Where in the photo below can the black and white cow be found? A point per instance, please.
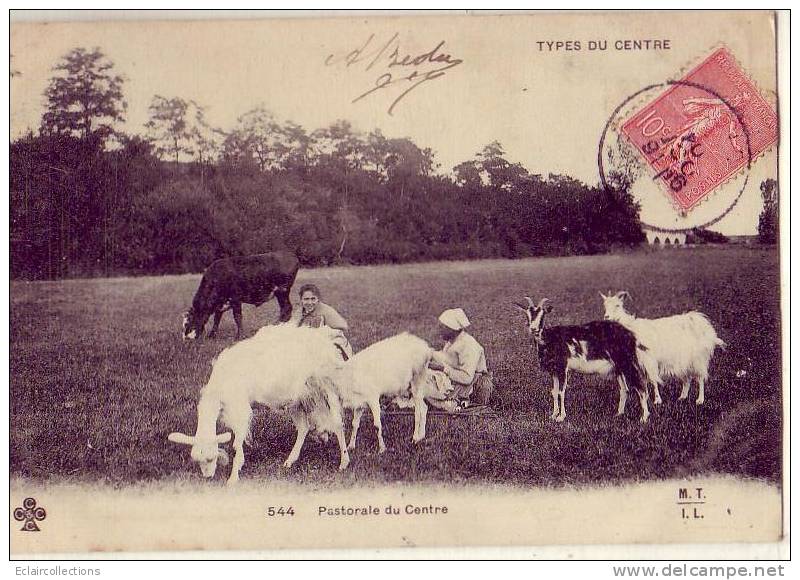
(229, 282)
(601, 347)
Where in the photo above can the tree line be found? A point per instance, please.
(88, 199)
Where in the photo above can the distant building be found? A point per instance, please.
(655, 238)
(746, 240)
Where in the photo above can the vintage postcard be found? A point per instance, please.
(383, 281)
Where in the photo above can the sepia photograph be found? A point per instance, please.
(357, 281)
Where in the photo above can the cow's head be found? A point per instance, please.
(535, 314)
(206, 453)
(193, 324)
(614, 305)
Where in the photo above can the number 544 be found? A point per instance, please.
(280, 511)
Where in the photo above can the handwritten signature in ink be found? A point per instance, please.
(397, 68)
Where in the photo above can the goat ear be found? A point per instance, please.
(624, 294)
(548, 308)
(181, 438)
(222, 457)
(224, 437)
(520, 306)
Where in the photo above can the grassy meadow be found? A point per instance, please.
(100, 375)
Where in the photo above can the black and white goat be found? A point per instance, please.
(682, 345)
(601, 347)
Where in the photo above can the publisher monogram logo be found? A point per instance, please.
(30, 514)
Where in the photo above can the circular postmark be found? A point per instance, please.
(681, 150)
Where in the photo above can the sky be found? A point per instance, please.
(529, 82)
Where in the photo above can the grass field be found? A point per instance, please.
(100, 375)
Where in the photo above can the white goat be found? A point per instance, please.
(682, 344)
(397, 367)
(276, 368)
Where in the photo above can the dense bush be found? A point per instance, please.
(702, 236)
(88, 200)
(78, 210)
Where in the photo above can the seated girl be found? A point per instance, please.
(315, 314)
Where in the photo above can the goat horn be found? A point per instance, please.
(542, 302)
(181, 438)
(530, 300)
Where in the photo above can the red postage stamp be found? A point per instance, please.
(703, 129)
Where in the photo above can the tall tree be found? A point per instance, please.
(339, 144)
(298, 143)
(501, 173)
(84, 98)
(375, 152)
(259, 138)
(491, 167)
(768, 220)
(168, 127)
(177, 126)
(260, 135)
(468, 175)
(404, 159)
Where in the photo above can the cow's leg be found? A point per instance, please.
(237, 316)
(285, 304)
(200, 326)
(217, 317)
